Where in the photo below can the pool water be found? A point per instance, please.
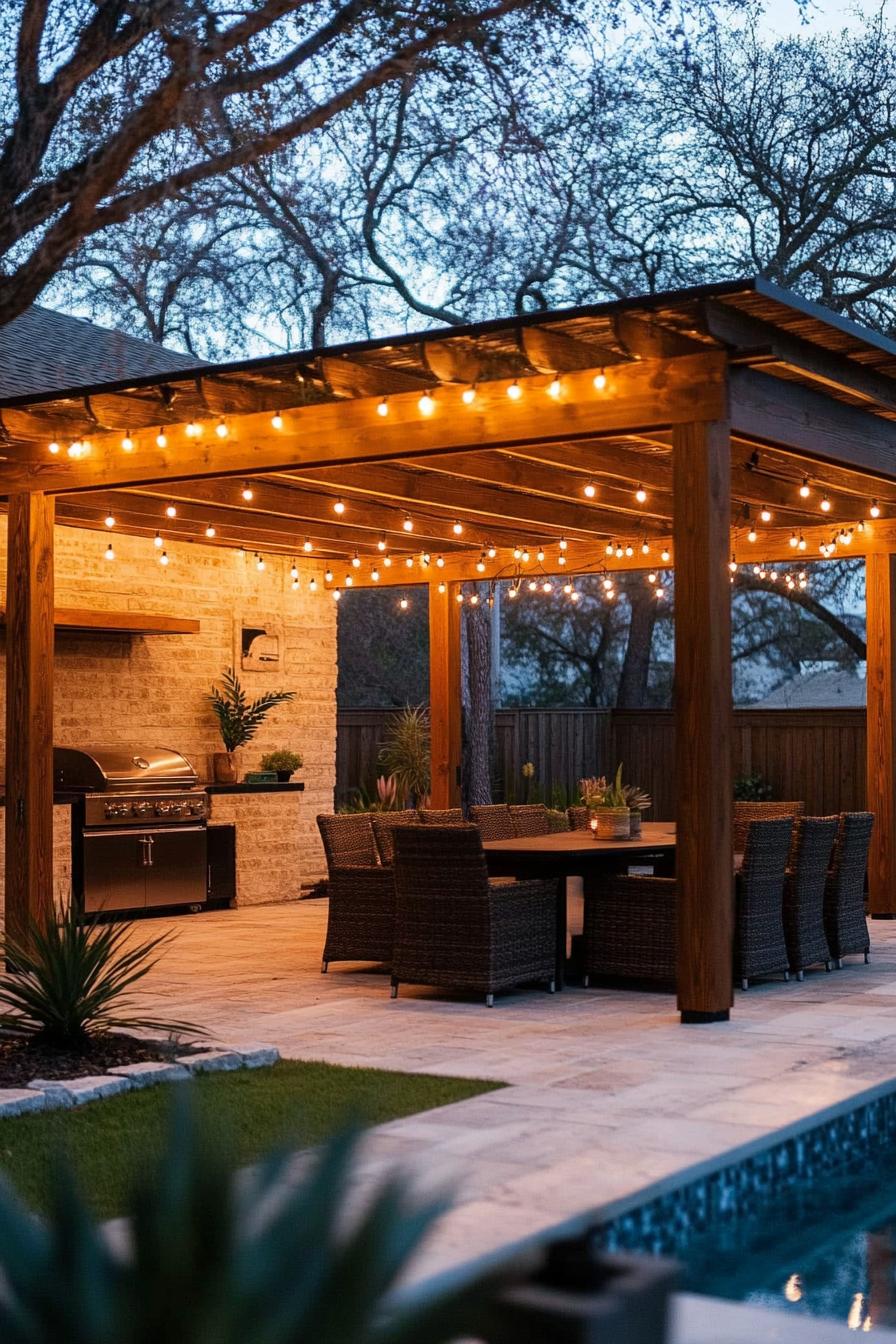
(825, 1252)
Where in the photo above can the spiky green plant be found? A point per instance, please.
(73, 980)
(264, 1260)
(405, 751)
(239, 718)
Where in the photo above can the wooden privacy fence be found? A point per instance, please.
(817, 755)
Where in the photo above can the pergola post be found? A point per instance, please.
(701, 454)
(880, 606)
(29, 710)
(444, 694)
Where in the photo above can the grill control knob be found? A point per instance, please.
(141, 809)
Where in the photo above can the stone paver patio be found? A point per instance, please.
(607, 1092)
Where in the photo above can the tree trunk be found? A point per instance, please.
(478, 712)
(632, 692)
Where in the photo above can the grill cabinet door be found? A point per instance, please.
(114, 871)
(178, 869)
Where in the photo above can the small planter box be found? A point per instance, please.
(582, 1296)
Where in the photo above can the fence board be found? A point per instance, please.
(817, 755)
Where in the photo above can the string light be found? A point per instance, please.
(491, 551)
(765, 514)
(339, 507)
(336, 594)
(375, 574)
(294, 573)
(732, 564)
(403, 603)
(547, 586)
(751, 535)
(110, 554)
(259, 563)
(512, 591)
(76, 449)
(801, 544)
(825, 504)
(221, 429)
(356, 561)
(474, 599)
(193, 430)
(660, 593)
(574, 595)
(276, 420)
(665, 556)
(562, 543)
(480, 564)
(170, 510)
(875, 509)
(514, 391)
(620, 550)
(645, 547)
(459, 596)
(641, 495)
(561, 559)
(794, 540)
(387, 560)
(328, 576)
(600, 380)
(161, 439)
(553, 391)
(408, 523)
(312, 586)
(307, 545)
(157, 541)
(589, 490)
(532, 586)
(805, 489)
(163, 558)
(525, 556)
(539, 554)
(409, 562)
(247, 492)
(54, 447)
(348, 580)
(517, 553)
(441, 587)
(210, 530)
(382, 407)
(109, 520)
(440, 562)
(426, 405)
(457, 528)
(468, 396)
(651, 577)
(127, 444)
(629, 550)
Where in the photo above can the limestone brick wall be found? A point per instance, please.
(116, 689)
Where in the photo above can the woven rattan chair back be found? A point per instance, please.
(804, 932)
(844, 899)
(494, 821)
(579, 818)
(744, 813)
(759, 945)
(384, 826)
(530, 819)
(348, 839)
(441, 816)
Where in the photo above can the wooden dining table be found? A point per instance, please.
(578, 854)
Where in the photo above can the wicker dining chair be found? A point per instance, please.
(529, 819)
(844, 896)
(744, 813)
(441, 816)
(759, 945)
(579, 818)
(384, 825)
(494, 821)
(361, 913)
(454, 927)
(629, 930)
(804, 934)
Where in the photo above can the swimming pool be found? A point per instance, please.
(805, 1223)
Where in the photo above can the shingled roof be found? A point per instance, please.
(44, 351)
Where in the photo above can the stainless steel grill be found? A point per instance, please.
(139, 837)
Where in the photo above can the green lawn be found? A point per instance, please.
(245, 1113)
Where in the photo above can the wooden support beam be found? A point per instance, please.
(880, 606)
(637, 396)
(444, 695)
(554, 352)
(701, 463)
(29, 712)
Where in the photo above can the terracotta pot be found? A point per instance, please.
(224, 767)
(613, 823)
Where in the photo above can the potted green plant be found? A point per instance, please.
(608, 804)
(283, 763)
(405, 753)
(638, 802)
(239, 719)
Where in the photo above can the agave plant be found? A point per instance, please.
(405, 752)
(239, 718)
(636, 799)
(258, 1261)
(73, 980)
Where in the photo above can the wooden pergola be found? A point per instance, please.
(732, 423)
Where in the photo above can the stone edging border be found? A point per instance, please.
(48, 1094)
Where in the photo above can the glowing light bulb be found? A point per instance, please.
(382, 407)
(554, 388)
(805, 489)
(109, 520)
(293, 573)
(794, 540)
(336, 594)
(312, 586)
(491, 551)
(161, 439)
(170, 510)
(651, 577)
(600, 380)
(387, 561)
(512, 591)
(533, 586)
(660, 592)
(441, 587)
(328, 576)
(825, 504)
(426, 405)
(480, 564)
(259, 563)
(375, 575)
(641, 495)
(589, 490)
(875, 509)
(801, 544)
(547, 586)
(110, 554)
(645, 547)
(403, 603)
(561, 559)
(276, 420)
(732, 565)
(620, 552)
(468, 396)
(221, 429)
(562, 543)
(339, 507)
(514, 391)
(247, 492)
(210, 530)
(457, 528)
(539, 554)
(474, 599)
(459, 597)
(157, 541)
(348, 580)
(54, 447)
(629, 550)
(192, 430)
(525, 556)
(665, 556)
(307, 545)
(408, 523)
(765, 514)
(751, 535)
(356, 561)
(163, 558)
(574, 595)
(517, 553)
(127, 444)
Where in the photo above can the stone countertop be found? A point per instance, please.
(213, 788)
(59, 799)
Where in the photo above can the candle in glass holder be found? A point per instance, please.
(593, 824)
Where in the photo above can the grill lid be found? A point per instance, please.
(120, 769)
